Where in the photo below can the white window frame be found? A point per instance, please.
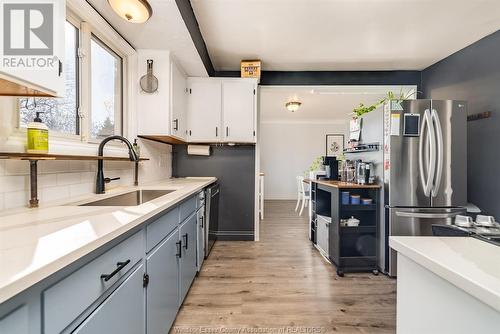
(21, 131)
(89, 23)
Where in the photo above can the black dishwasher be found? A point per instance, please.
(212, 207)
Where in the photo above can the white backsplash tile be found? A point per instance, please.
(13, 183)
(53, 166)
(16, 199)
(64, 179)
(88, 177)
(81, 189)
(47, 180)
(17, 167)
(80, 166)
(51, 194)
(2, 167)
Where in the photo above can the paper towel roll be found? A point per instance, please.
(198, 150)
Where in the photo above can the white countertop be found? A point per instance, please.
(35, 243)
(470, 264)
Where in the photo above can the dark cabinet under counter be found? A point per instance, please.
(350, 248)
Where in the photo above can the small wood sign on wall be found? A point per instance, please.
(251, 69)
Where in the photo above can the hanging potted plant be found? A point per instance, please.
(362, 109)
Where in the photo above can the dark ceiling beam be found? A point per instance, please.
(189, 18)
(320, 78)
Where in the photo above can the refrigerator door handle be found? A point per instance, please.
(432, 155)
(440, 156)
(423, 215)
(430, 170)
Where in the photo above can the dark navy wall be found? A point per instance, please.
(473, 74)
(234, 167)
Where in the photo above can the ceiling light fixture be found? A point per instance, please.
(134, 11)
(293, 106)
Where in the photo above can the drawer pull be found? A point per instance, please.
(120, 265)
(186, 240)
(179, 249)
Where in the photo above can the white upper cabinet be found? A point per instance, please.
(221, 110)
(178, 87)
(47, 51)
(238, 110)
(204, 110)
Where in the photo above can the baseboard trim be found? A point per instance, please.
(236, 236)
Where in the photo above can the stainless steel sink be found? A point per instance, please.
(132, 198)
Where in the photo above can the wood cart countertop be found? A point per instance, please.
(345, 185)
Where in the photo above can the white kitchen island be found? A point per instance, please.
(447, 285)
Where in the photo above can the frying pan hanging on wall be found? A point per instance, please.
(148, 82)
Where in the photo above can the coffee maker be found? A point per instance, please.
(331, 167)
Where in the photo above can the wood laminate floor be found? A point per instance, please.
(282, 285)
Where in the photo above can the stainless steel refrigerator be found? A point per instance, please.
(425, 166)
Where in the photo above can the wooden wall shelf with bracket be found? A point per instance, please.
(33, 158)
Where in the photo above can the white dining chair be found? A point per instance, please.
(303, 195)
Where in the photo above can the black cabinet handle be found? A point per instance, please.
(179, 249)
(216, 131)
(227, 131)
(202, 221)
(60, 67)
(121, 265)
(185, 236)
(176, 126)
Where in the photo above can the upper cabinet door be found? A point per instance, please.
(46, 76)
(178, 86)
(204, 110)
(238, 108)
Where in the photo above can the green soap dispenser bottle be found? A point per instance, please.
(38, 136)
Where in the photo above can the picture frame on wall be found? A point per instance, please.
(334, 145)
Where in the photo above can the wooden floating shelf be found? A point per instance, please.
(10, 88)
(164, 140)
(50, 156)
(175, 141)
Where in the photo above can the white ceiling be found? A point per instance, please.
(342, 34)
(322, 104)
(164, 30)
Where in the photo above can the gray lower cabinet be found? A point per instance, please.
(133, 287)
(162, 294)
(122, 312)
(16, 322)
(188, 269)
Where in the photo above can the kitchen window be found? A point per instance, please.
(106, 91)
(93, 105)
(60, 114)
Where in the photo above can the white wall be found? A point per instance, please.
(288, 149)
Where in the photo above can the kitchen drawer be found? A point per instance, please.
(122, 312)
(200, 199)
(160, 228)
(187, 208)
(68, 298)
